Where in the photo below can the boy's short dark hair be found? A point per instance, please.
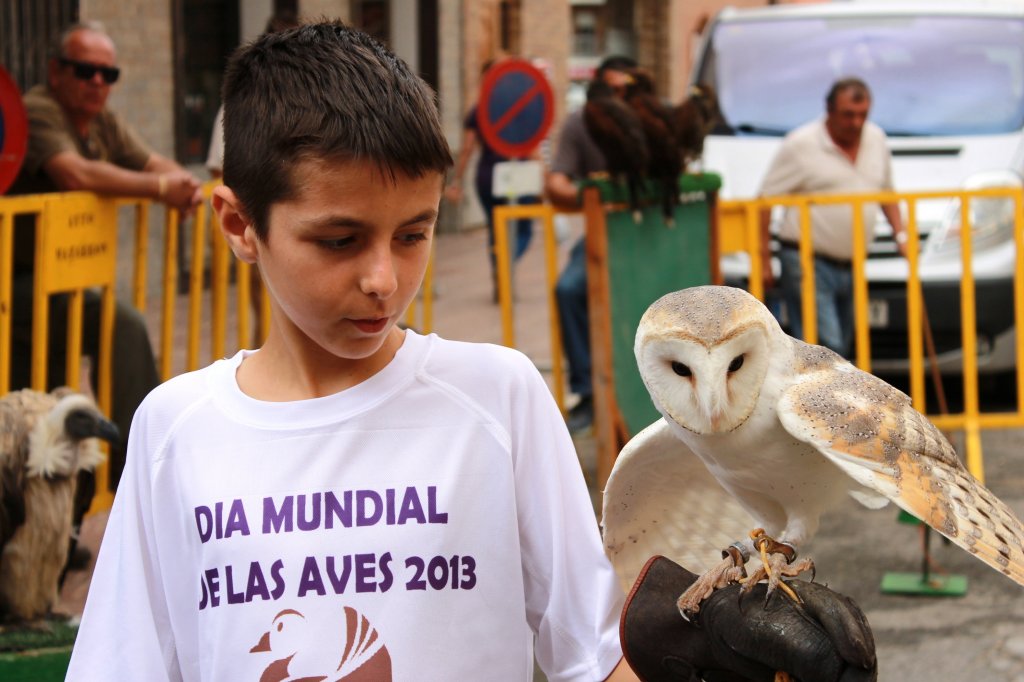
(322, 91)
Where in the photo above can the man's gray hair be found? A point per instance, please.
(61, 41)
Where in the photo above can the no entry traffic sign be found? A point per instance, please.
(516, 108)
(13, 130)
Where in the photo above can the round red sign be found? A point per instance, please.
(516, 108)
(13, 130)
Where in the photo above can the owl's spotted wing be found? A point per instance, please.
(872, 432)
(661, 499)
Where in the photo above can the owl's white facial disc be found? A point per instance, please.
(703, 354)
(706, 389)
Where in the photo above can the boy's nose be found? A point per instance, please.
(378, 277)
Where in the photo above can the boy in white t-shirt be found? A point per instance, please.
(353, 501)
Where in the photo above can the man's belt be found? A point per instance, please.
(835, 262)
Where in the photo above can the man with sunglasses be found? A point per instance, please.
(77, 143)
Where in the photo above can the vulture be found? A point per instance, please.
(46, 439)
(664, 162)
(694, 118)
(618, 133)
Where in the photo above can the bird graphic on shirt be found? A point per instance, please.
(785, 427)
(306, 650)
(46, 439)
(618, 132)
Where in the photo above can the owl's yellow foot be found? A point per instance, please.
(776, 563)
(730, 570)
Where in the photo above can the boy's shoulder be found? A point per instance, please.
(175, 395)
(474, 357)
(492, 377)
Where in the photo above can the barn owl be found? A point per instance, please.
(786, 428)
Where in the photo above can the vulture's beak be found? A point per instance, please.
(82, 424)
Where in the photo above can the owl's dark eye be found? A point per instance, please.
(681, 369)
(736, 363)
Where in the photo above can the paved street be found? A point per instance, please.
(979, 636)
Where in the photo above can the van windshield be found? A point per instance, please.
(939, 75)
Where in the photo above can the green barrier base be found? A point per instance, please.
(31, 655)
(917, 584)
(905, 517)
(923, 583)
(35, 666)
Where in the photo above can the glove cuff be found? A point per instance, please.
(627, 618)
(657, 643)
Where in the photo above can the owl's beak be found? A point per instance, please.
(714, 405)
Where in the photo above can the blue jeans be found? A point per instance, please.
(523, 226)
(833, 285)
(571, 294)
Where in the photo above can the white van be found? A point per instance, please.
(947, 83)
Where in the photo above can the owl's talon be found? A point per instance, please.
(774, 570)
(729, 570)
(777, 562)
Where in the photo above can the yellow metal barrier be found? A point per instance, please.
(77, 249)
(546, 214)
(74, 251)
(739, 222)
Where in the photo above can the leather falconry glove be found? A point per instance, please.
(824, 639)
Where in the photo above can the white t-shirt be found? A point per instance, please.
(809, 162)
(430, 521)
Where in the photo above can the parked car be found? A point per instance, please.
(947, 81)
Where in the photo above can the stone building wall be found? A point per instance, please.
(686, 19)
(331, 9)
(141, 30)
(547, 36)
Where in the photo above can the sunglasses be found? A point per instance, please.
(86, 71)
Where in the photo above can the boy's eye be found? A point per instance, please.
(340, 243)
(412, 237)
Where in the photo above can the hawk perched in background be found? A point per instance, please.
(618, 132)
(643, 138)
(694, 118)
(45, 440)
(786, 428)
(664, 163)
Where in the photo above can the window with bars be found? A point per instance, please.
(27, 29)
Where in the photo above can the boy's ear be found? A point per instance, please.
(235, 224)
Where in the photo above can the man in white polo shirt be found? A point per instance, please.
(840, 153)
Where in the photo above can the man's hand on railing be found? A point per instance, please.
(181, 190)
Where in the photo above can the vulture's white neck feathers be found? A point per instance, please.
(51, 453)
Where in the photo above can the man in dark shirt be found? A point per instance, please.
(578, 156)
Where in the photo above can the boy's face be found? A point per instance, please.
(344, 258)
